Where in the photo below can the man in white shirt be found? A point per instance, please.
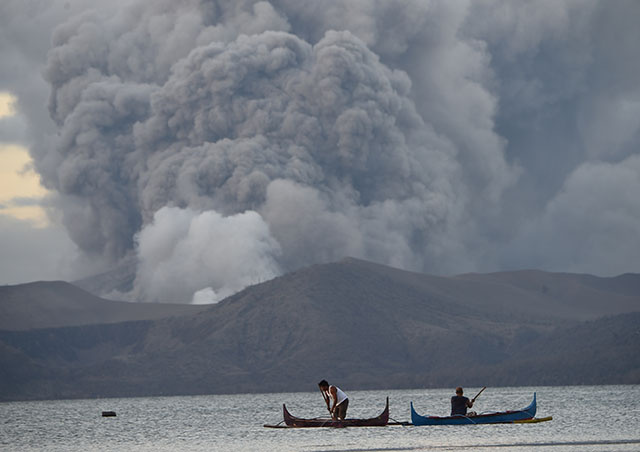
(340, 400)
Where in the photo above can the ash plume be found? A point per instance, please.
(223, 143)
(320, 145)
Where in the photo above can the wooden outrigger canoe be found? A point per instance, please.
(500, 417)
(292, 421)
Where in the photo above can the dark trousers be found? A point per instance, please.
(341, 410)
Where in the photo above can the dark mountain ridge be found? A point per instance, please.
(362, 324)
(47, 304)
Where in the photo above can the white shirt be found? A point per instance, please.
(340, 395)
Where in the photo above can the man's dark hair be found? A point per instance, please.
(323, 383)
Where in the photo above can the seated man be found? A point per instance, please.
(459, 403)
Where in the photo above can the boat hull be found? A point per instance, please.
(489, 418)
(379, 421)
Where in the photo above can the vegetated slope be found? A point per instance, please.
(600, 351)
(47, 304)
(369, 326)
(362, 324)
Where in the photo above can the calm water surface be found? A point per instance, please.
(585, 418)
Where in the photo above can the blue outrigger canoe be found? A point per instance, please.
(500, 417)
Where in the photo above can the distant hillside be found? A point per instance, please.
(57, 303)
(606, 350)
(567, 295)
(357, 323)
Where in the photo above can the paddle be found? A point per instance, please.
(326, 399)
(474, 399)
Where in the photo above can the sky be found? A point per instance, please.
(20, 187)
(209, 145)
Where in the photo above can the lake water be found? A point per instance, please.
(585, 418)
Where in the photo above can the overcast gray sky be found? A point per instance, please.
(218, 144)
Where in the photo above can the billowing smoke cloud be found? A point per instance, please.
(361, 172)
(222, 143)
(610, 207)
(320, 144)
(182, 249)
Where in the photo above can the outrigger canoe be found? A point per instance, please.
(292, 421)
(500, 417)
